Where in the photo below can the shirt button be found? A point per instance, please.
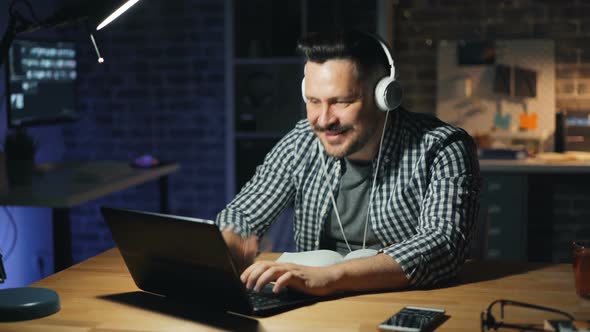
(317, 243)
(324, 210)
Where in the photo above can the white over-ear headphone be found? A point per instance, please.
(388, 92)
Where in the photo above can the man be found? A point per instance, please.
(406, 184)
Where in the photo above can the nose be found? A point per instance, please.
(325, 117)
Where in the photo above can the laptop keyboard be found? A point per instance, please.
(267, 299)
(263, 299)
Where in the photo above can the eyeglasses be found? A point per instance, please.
(489, 323)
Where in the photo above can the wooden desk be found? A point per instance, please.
(64, 185)
(84, 291)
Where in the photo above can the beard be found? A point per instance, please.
(354, 142)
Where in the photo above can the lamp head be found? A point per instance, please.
(72, 12)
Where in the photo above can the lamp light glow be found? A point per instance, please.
(116, 13)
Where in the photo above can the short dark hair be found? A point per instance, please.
(359, 47)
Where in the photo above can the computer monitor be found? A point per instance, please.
(525, 82)
(502, 80)
(41, 82)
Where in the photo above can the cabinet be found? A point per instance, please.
(503, 215)
(532, 210)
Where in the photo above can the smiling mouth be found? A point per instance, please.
(335, 132)
(334, 137)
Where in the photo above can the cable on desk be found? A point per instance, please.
(2, 271)
(11, 247)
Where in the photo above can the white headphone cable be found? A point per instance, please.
(332, 194)
(375, 178)
(320, 149)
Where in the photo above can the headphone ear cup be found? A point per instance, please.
(303, 89)
(388, 94)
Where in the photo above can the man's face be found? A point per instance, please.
(341, 110)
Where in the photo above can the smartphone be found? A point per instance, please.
(413, 319)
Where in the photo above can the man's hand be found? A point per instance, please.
(242, 249)
(379, 272)
(307, 279)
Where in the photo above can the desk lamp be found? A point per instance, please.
(73, 12)
(25, 303)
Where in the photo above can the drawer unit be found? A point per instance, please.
(503, 215)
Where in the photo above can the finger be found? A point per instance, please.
(269, 275)
(282, 281)
(246, 273)
(255, 273)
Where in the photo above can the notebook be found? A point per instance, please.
(187, 259)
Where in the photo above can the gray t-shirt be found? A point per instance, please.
(353, 202)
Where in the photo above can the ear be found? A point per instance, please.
(303, 89)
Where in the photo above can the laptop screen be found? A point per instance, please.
(178, 257)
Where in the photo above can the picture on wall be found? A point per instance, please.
(512, 97)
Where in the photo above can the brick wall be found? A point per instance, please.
(422, 24)
(160, 91)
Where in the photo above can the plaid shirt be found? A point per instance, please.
(426, 200)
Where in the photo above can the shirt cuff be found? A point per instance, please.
(424, 262)
(231, 220)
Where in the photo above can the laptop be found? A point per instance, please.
(186, 259)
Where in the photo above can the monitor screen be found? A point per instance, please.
(502, 80)
(525, 82)
(41, 82)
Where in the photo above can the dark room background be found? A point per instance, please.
(162, 91)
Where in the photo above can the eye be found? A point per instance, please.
(313, 103)
(342, 103)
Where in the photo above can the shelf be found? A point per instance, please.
(519, 135)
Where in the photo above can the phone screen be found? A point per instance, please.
(413, 318)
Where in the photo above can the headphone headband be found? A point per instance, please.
(386, 52)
